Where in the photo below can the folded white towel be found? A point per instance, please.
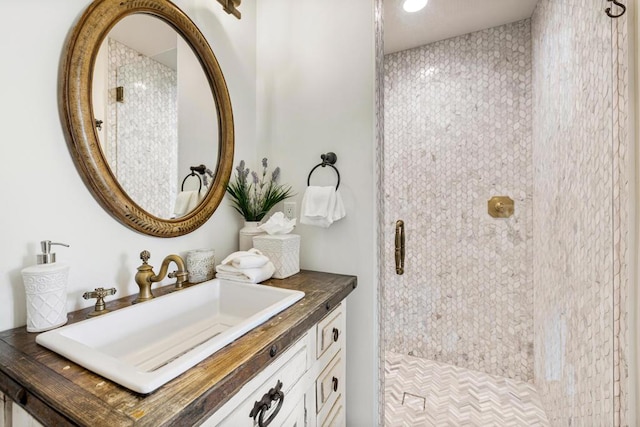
(252, 258)
(321, 206)
(186, 201)
(246, 275)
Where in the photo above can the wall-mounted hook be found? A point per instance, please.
(617, 3)
(230, 6)
(329, 158)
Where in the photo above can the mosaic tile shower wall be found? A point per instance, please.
(142, 137)
(579, 240)
(457, 132)
(623, 173)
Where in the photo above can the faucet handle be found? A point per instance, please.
(181, 278)
(144, 256)
(99, 294)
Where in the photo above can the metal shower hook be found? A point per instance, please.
(617, 3)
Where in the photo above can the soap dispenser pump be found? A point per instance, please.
(46, 289)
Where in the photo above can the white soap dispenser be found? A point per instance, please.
(46, 288)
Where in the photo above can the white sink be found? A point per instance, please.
(146, 345)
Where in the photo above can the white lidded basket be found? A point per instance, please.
(283, 250)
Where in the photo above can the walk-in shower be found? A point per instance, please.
(518, 320)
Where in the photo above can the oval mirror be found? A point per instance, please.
(148, 116)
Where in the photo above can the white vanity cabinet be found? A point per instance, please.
(12, 415)
(304, 386)
(302, 348)
(329, 369)
(2, 411)
(21, 418)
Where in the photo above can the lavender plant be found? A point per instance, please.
(254, 198)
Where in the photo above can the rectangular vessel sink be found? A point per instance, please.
(146, 345)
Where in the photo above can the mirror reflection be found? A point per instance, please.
(156, 118)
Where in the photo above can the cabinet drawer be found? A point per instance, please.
(296, 418)
(288, 368)
(330, 383)
(335, 417)
(21, 418)
(288, 375)
(329, 331)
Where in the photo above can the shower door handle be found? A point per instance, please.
(400, 247)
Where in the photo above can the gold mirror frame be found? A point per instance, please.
(76, 110)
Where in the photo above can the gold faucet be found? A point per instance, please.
(145, 276)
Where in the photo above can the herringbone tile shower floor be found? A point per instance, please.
(424, 393)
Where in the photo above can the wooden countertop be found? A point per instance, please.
(59, 392)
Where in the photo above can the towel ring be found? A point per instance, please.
(187, 177)
(330, 160)
(202, 169)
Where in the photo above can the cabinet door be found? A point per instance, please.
(288, 369)
(2, 411)
(329, 331)
(287, 382)
(335, 417)
(330, 384)
(283, 413)
(297, 417)
(20, 418)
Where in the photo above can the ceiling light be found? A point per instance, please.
(414, 5)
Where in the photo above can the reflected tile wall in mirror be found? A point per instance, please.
(142, 138)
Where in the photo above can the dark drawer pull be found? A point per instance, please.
(334, 380)
(263, 405)
(336, 334)
(21, 396)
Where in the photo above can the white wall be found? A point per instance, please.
(44, 197)
(316, 94)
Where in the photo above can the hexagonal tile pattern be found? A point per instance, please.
(458, 132)
(141, 132)
(579, 225)
(468, 297)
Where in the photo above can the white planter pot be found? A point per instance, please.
(247, 233)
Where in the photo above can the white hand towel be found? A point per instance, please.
(252, 258)
(186, 201)
(202, 194)
(321, 206)
(339, 212)
(246, 275)
(318, 201)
